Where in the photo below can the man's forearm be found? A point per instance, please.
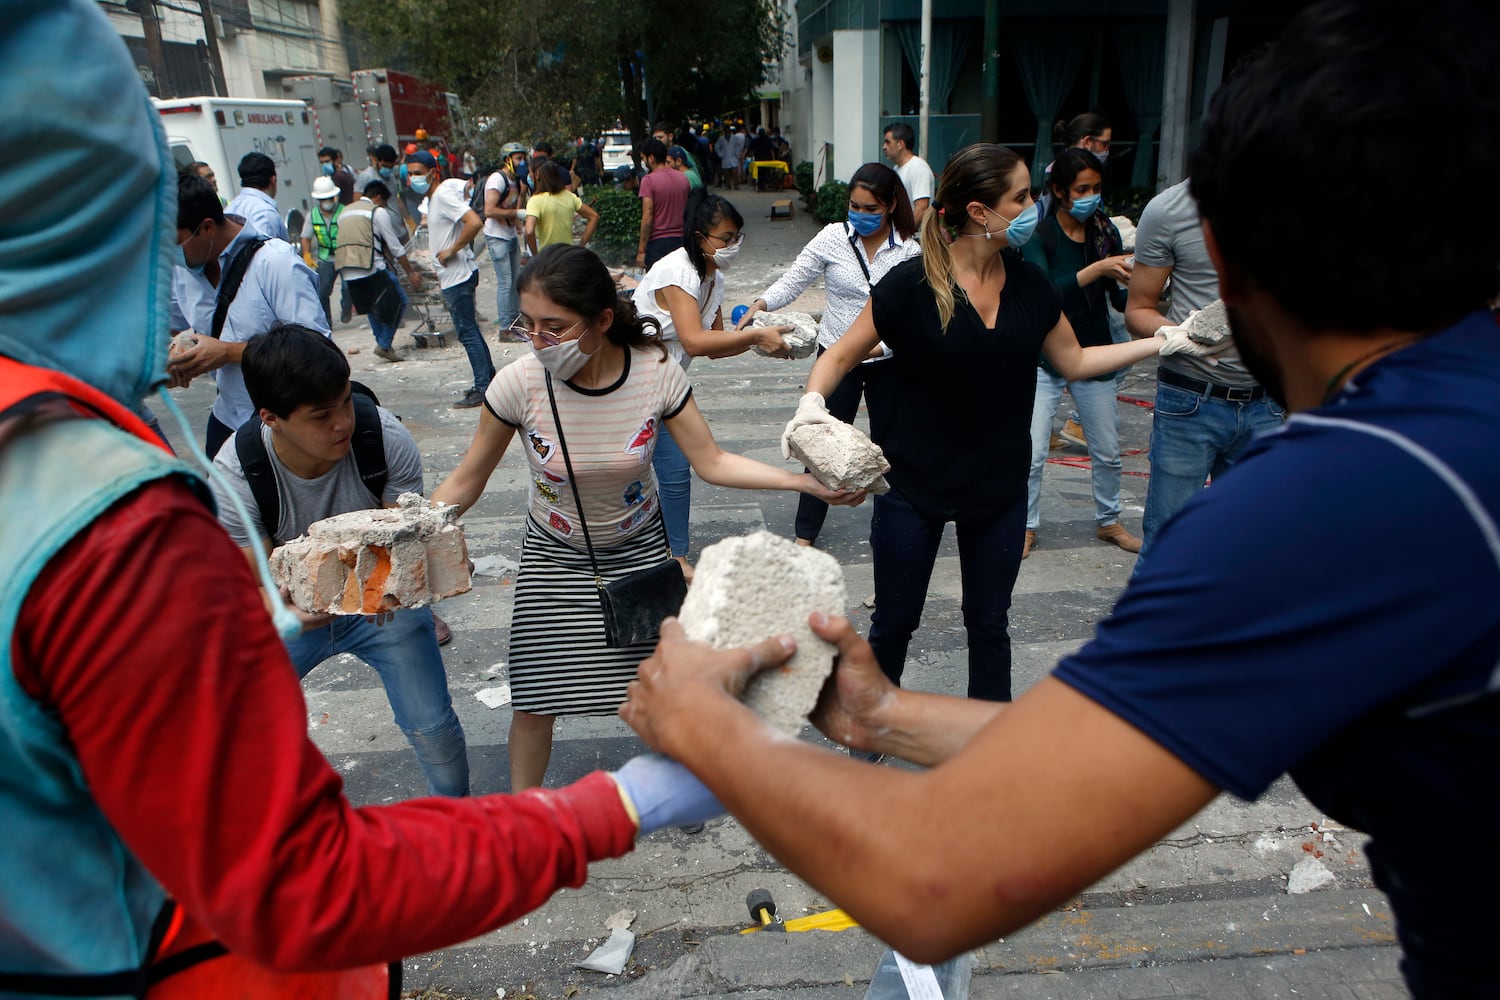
(927, 728)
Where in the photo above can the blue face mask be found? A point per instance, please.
(865, 223)
(419, 184)
(386, 172)
(1084, 207)
(1018, 233)
(328, 170)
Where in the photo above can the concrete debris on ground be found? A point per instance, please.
(1308, 875)
(801, 342)
(841, 456)
(371, 561)
(746, 590)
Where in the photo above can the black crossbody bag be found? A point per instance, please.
(633, 605)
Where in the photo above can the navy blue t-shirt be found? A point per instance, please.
(1331, 609)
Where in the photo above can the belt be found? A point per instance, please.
(1232, 394)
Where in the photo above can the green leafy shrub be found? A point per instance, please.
(833, 202)
(619, 230)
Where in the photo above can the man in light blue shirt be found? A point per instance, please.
(256, 201)
(277, 288)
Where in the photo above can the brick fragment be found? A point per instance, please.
(369, 561)
(746, 590)
(841, 456)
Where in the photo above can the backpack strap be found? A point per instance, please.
(230, 286)
(368, 442)
(250, 447)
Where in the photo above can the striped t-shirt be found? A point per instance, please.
(611, 435)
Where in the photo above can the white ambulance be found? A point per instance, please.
(220, 130)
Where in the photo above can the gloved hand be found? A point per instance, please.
(811, 410)
(1175, 340)
(664, 793)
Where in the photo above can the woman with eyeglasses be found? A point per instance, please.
(684, 293)
(850, 257)
(616, 394)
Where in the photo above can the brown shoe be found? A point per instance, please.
(1030, 541)
(444, 633)
(1116, 534)
(1072, 433)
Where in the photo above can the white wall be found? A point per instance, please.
(821, 129)
(856, 96)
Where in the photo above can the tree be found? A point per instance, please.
(574, 67)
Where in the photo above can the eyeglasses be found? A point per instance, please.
(522, 333)
(728, 241)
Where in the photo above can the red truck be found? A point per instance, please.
(396, 105)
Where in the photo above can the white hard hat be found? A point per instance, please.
(324, 189)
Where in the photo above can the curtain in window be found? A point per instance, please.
(1047, 57)
(1142, 50)
(950, 44)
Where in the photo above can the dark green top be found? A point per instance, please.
(1062, 258)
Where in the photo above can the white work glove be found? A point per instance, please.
(520, 214)
(811, 410)
(1175, 340)
(664, 793)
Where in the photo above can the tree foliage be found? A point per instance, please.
(572, 67)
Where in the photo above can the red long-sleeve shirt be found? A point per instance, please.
(147, 636)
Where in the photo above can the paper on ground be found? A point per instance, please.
(611, 956)
(494, 697)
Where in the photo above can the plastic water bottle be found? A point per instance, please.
(949, 981)
(738, 314)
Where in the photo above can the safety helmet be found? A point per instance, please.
(511, 148)
(420, 134)
(324, 188)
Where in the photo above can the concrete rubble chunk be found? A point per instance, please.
(370, 561)
(801, 342)
(841, 456)
(1127, 231)
(1308, 875)
(183, 341)
(748, 589)
(1209, 325)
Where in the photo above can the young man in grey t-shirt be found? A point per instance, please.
(299, 384)
(1208, 408)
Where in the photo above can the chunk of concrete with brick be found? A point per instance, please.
(841, 456)
(370, 561)
(800, 342)
(1209, 325)
(746, 590)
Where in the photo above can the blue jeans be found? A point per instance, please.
(904, 542)
(1100, 415)
(327, 273)
(385, 333)
(1193, 437)
(506, 256)
(674, 479)
(404, 652)
(460, 302)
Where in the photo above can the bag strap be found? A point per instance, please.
(858, 254)
(562, 442)
(230, 286)
(369, 442)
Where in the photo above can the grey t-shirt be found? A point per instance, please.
(1170, 236)
(304, 501)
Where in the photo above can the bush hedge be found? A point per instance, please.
(619, 230)
(833, 202)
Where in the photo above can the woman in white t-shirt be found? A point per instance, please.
(615, 393)
(684, 293)
(850, 257)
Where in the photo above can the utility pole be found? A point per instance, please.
(211, 40)
(151, 27)
(989, 118)
(925, 105)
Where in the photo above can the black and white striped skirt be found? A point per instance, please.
(559, 664)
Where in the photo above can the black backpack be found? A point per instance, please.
(368, 446)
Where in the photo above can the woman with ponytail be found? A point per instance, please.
(615, 392)
(952, 405)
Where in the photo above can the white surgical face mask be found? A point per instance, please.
(563, 360)
(724, 256)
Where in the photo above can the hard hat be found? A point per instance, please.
(324, 189)
(511, 148)
(421, 134)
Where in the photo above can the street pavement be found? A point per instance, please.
(1206, 913)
